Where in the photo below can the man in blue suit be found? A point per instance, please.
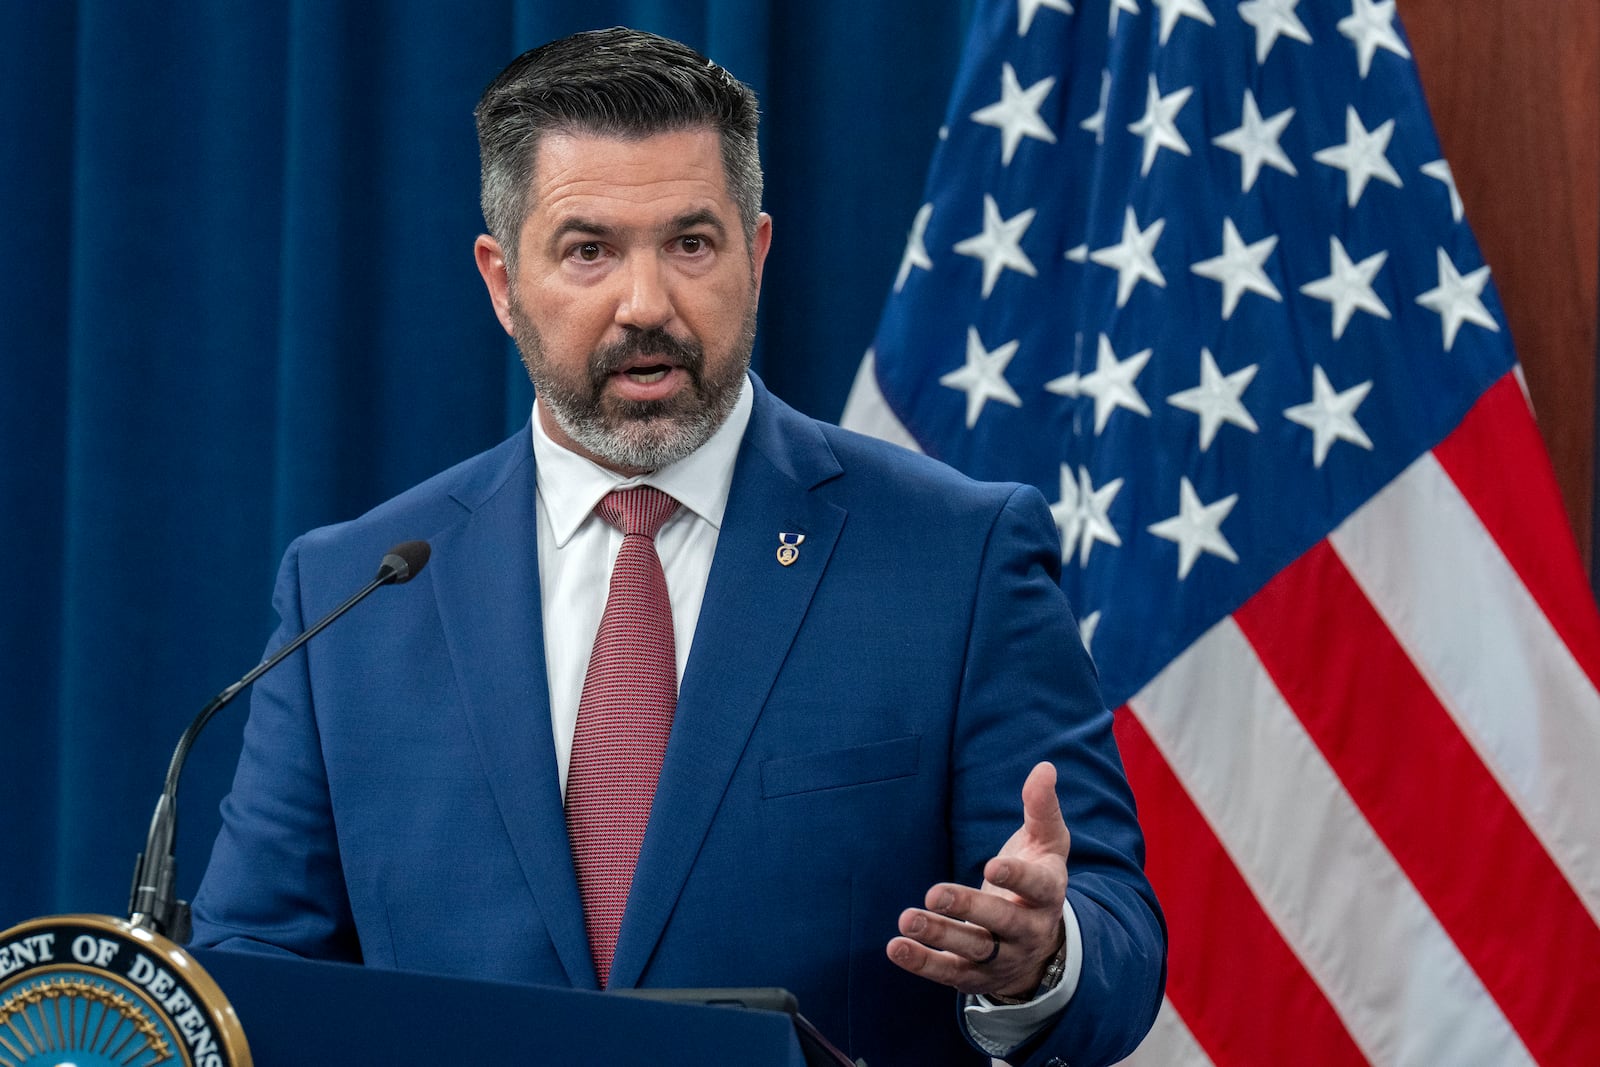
(884, 722)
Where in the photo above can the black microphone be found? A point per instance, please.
(153, 903)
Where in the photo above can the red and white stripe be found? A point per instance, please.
(1371, 796)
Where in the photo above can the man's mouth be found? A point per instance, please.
(648, 374)
(646, 367)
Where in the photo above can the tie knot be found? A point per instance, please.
(641, 510)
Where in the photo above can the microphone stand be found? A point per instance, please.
(152, 902)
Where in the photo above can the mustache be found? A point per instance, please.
(652, 342)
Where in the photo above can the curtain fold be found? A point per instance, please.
(239, 301)
(35, 169)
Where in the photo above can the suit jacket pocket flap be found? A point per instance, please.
(877, 762)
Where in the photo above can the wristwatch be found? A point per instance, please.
(1052, 978)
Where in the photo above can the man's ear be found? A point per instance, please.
(496, 277)
(760, 242)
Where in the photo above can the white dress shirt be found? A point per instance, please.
(576, 551)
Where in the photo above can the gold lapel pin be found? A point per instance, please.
(789, 547)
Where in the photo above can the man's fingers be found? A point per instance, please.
(949, 969)
(1040, 883)
(971, 942)
(1012, 919)
(1004, 970)
(1041, 810)
(941, 967)
(992, 911)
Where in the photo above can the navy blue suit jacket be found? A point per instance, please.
(850, 730)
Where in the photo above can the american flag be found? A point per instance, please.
(1198, 270)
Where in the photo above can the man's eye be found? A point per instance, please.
(587, 252)
(692, 245)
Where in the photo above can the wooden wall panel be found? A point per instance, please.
(1514, 86)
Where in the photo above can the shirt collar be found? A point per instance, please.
(571, 485)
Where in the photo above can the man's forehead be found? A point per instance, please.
(660, 176)
(695, 151)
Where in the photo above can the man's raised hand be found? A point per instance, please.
(997, 939)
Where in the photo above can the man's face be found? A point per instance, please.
(634, 294)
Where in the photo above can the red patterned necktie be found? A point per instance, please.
(624, 717)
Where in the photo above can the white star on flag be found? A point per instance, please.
(1117, 8)
(1081, 514)
(1067, 514)
(998, 245)
(1273, 19)
(1439, 170)
(1370, 26)
(1016, 115)
(1086, 628)
(1067, 385)
(1173, 10)
(1348, 286)
(1158, 126)
(1255, 141)
(1096, 123)
(1026, 9)
(1111, 383)
(1095, 523)
(1197, 528)
(1217, 398)
(1362, 157)
(916, 253)
(1134, 257)
(1330, 415)
(1240, 268)
(983, 376)
(1458, 298)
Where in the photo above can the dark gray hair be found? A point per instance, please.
(617, 83)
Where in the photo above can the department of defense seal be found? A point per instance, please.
(93, 991)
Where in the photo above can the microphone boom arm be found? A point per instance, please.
(152, 902)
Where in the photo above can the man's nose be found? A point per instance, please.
(646, 301)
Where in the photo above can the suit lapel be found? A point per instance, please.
(752, 609)
(486, 574)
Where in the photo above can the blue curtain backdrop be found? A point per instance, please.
(237, 300)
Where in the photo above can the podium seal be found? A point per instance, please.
(93, 991)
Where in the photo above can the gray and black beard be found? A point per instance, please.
(639, 435)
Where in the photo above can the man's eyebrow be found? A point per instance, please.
(578, 225)
(704, 217)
